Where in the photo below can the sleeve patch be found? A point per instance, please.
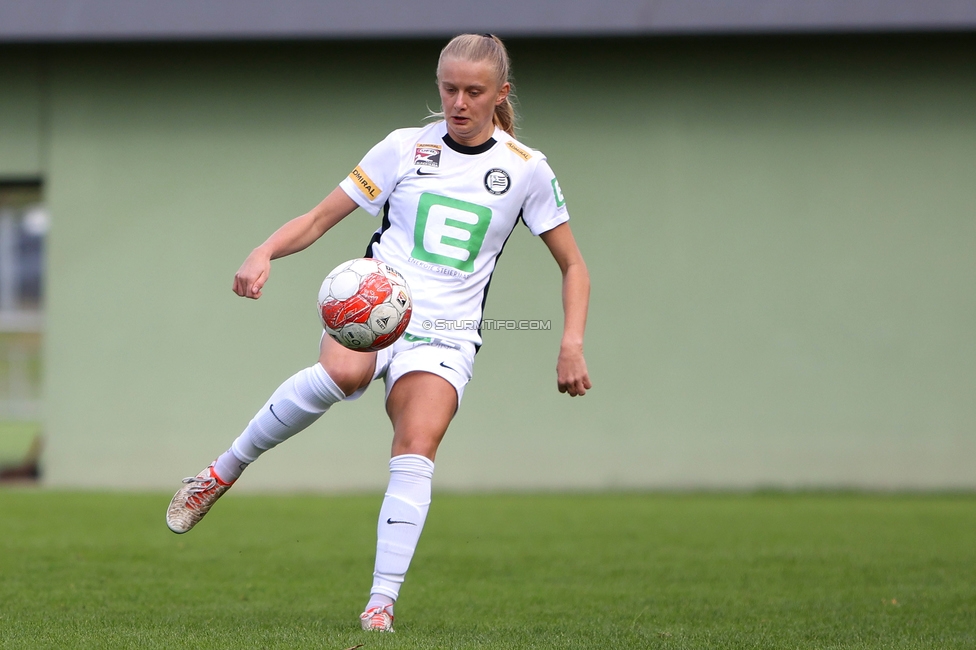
(557, 192)
(365, 183)
(522, 153)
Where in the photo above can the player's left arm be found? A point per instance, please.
(571, 373)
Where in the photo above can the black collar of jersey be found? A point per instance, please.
(470, 151)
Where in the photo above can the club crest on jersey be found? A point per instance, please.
(427, 155)
(497, 181)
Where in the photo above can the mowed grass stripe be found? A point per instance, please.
(100, 570)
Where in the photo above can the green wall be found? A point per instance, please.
(780, 232)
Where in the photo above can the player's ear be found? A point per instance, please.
(503, 93)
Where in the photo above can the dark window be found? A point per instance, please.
(23, 229)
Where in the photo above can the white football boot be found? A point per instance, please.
(377, 619)
(194, 500)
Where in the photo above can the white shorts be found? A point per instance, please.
(452, 360)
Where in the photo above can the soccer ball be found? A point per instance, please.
(365, 304)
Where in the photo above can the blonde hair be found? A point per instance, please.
(490, 49)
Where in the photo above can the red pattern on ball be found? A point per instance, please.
(337, 313)
(373, 289)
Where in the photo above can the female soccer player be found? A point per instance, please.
(451, 193)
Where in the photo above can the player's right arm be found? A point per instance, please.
(296, 235)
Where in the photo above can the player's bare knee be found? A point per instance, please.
(348, 379)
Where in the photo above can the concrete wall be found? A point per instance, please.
(780, 234)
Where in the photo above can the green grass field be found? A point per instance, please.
(98, 570)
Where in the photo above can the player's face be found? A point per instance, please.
(469, 94)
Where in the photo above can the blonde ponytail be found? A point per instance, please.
(504, 117)
(489, 48)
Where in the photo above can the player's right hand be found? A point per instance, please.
(250, 278)
(571, 374)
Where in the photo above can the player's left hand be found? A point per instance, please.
(571, 374)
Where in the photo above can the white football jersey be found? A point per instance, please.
(448, 210)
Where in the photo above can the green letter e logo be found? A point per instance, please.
(449, 232)
(558, 193)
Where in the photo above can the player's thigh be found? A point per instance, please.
(421, 406)
(349, 369)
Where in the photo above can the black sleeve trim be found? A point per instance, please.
(379, 233)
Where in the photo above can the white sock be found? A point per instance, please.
(401, 521)
(297, 403)
(228, 467)
(379, 600)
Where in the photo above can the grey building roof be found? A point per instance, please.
(114, 20)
